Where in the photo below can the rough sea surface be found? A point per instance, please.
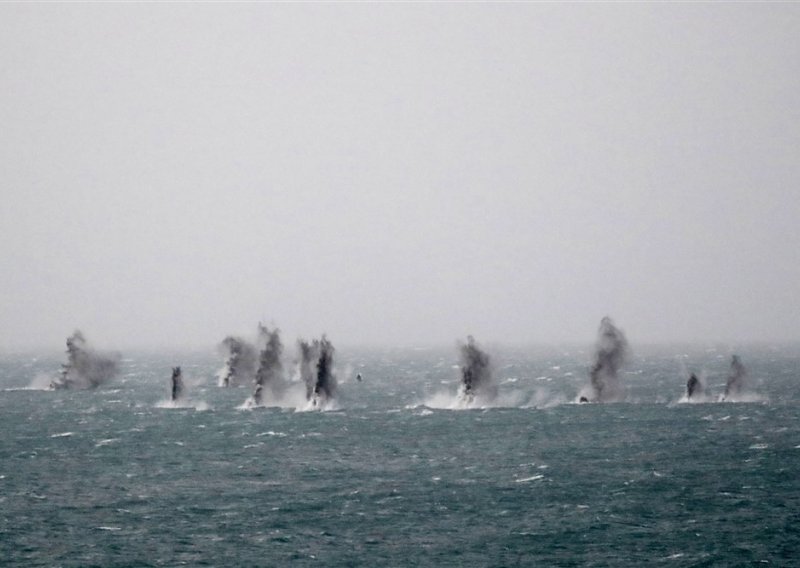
(399, 474)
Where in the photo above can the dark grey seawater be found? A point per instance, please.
(115, 477)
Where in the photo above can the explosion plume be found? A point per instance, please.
(611, 352)
(85, 368)
(736, 376)
(325, 385)
(316, 370)
(178, 388)
(476, 374)
(270, 368)
(309, 354)
(694, 388)
(241, 361)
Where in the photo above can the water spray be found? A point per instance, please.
(85, 368)
(476, 374)
(611, 353)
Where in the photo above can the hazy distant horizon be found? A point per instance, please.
(399, 174)
(494, 348)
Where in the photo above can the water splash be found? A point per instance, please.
(270, 367)
(240, 362)
(696, 388)
(309, 353)
(476, 374)
(611, 353)
(736, 379)
(325, 384)
(85, 368)
(178, 388)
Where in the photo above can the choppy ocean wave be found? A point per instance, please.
(403, 472)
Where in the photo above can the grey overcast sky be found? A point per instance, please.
(399, 173)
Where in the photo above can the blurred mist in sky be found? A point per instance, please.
(399, 173)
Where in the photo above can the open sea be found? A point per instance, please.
(397, 474)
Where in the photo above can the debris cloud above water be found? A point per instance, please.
(241, 360)
(270, 368)
(476, 373)
(85, 368)
(611, 353)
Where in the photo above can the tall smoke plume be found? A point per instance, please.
(316, 370)
(476, 373)
(270, 368)
(178, 389)
(240, 363)
(85, 368)
(694, 387)
(309, 354)
(736, 377)
(611, 353)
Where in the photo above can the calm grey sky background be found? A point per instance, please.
(403, 173)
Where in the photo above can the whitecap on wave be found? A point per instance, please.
(536, 477)
(62, 435)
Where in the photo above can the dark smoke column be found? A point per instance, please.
(736, 376)
(324, 384)
(177, 384)
(694, 387)
(270, 368)
(476, 374)
(76, 343)
(241, 361)
(85, 368)
(309, 352)
(611, 352)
